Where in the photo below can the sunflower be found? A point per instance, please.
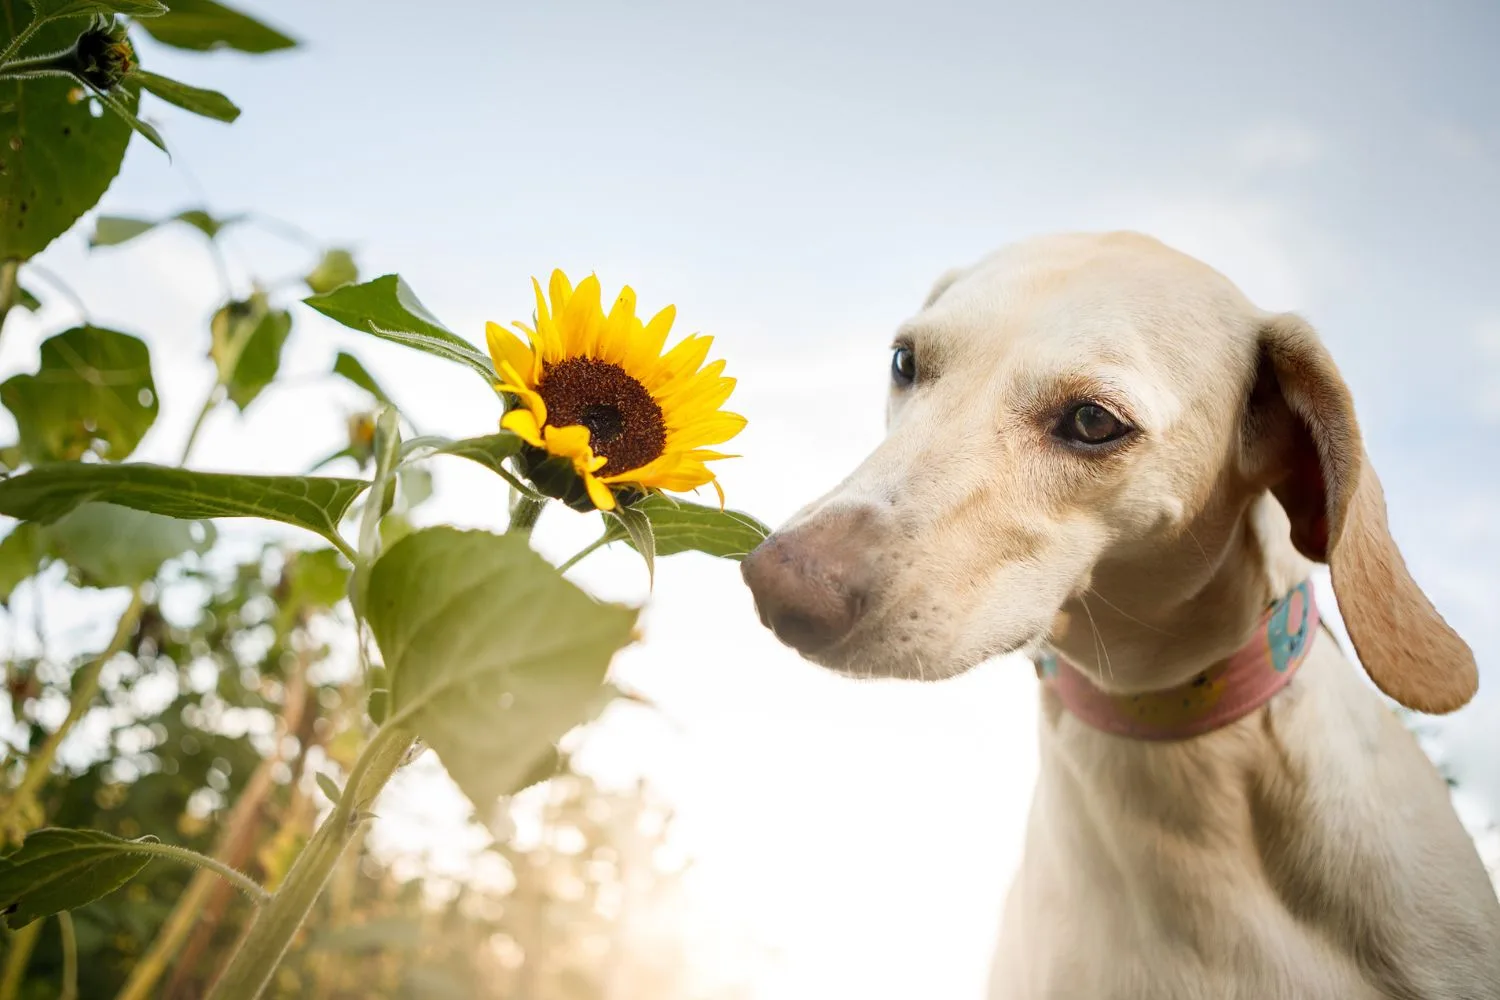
(597, 390)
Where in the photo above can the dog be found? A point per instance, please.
(1100, 453)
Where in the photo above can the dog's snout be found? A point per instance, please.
(812, 582)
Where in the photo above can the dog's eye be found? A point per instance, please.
(1090, 424)
(903, 366)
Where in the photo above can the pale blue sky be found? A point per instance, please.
(794, 176)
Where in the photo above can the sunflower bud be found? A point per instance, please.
(103, 55)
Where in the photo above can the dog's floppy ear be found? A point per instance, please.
(1304, 439)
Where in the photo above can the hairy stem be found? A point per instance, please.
(263, 946)
(22, 37)
(523, 515)
(21, 814)
(244, 883)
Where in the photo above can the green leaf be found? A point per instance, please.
(492, 655)
(124, 101)
(318, 578)
(113, 546)
(679, 526)
(48, 10)
(112, 230)
(57, 870)
(26, 300)
(47, 493)
(246, 342)
(93, 391)
(202, 25)
(490, 451)
(329, 786)
(208, 103)
(637, 527)
(350, 368)
(21, 554)
(56, 158)
(334, 270)
(390, 310)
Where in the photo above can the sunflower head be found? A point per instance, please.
(606, 412)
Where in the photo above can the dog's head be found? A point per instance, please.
(1079, 426)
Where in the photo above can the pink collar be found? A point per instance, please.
(1218, 696)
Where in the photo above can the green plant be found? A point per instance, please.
(486, 652)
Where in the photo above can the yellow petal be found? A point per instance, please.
(598, 492)
(550, 347)
(583, 320)
(560, 290)
(506, 348)
(619, 330)
(522, 423)
(531, 399)
(710, 430)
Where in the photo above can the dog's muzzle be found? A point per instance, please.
(812, 582)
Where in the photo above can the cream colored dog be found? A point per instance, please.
(1098, 445)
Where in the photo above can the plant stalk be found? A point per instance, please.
(9, 288)
(263, 947)
(523, 515)
(17, 958)
(69, 956)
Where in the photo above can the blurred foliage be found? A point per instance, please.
(236, 720)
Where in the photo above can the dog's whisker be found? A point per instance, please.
(1099, 646)
(1125, 614)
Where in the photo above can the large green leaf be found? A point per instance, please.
(50, 9)
(208, 103)
(389, 309)
(202, 25)
(112, 230)
(246, 342)
(679, 526)
(492, 655)
(113, 546)
(92, 392)
(21, 554)
(57, 870)
(56, 158)
(47, 493)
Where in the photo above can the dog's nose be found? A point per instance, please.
(812, 582)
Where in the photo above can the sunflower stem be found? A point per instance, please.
(523, 516)
(587, 550)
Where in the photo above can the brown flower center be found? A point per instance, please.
(625, 424)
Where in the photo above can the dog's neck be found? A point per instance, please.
(1154, 627)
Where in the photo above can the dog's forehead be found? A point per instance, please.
(1117, 298)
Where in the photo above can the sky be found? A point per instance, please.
(793, 176)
